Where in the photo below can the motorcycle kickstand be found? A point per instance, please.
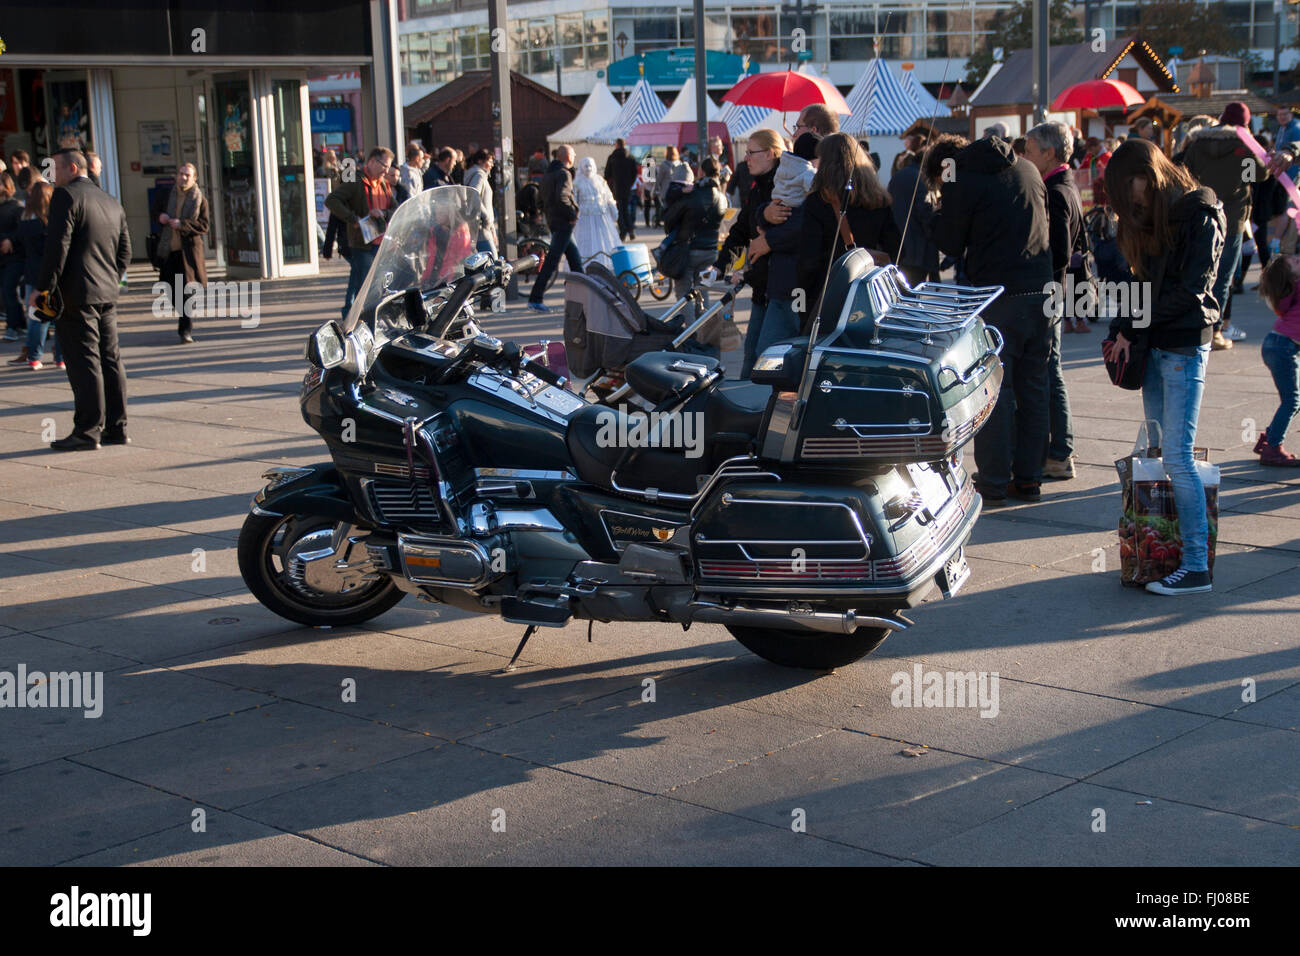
(528, 632)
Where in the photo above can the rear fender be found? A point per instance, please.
(312, 490)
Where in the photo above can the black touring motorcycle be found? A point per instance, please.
(804, 510)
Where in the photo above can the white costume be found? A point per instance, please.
(597, 229)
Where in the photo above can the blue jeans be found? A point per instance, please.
(359, 268)
(36, 332)
(1171, 395)
(1282, 356)
(562, 244)
(779, 322)
(1227, 270)
(752, 332)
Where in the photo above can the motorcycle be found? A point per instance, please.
(805, 510)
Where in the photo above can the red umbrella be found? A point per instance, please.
(1097, 95)
(787, 91)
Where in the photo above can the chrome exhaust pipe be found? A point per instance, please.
(794, 615)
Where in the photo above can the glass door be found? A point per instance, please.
(233, 119)
(297, 224)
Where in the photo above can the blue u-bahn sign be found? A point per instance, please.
(675, 67)
(331, 119)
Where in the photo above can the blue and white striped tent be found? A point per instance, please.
(880, 105)
(929, 105)
(643, 106)
(739, 118)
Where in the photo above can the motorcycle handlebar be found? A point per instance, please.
(530, 261)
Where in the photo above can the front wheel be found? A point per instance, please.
(632, 281)
(289, 565)
(811, 650)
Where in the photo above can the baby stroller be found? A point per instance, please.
(605, 329)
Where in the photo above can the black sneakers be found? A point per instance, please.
(1182, 581)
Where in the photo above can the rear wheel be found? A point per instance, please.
(661, 287)
(288, 564)
(632, 281)
(812, 650)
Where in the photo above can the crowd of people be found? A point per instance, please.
(1187, 223)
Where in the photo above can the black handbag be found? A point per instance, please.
(1126, 373)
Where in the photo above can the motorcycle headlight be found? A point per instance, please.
(326, 347)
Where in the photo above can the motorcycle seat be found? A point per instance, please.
(663, 376)
(735, 408)
(595, 445)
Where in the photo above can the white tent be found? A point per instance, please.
(599, 111)
(683, 108)
(774, 120)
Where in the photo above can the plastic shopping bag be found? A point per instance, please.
(1150, 543)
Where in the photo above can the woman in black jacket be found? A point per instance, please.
(765, 149)
(29, 245)
(11, 263)
(1171, 230)
(870, 215)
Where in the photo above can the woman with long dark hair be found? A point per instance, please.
(869, 214)
(30, 243)
(1171, 230)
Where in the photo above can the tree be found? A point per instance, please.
(1013, 29)
(1190, 24)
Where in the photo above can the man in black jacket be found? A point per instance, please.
(561, 216)
(620, 172)
(1048, 146)
(87, 249)
(993, 211)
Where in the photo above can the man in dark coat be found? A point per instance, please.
(1048, 146)
(918, 257)
(993, 211)
(561, 216)
(87, 250)
(620, 172)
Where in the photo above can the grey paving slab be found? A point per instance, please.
(1228, 765)
(62, 810)
(135, 704)
(451, 805)
(865, 792)
(648, 746)
(226, 840)
(659, 831)
(1280, 709)
(1058, 831)
(154, 623)
(251, 755)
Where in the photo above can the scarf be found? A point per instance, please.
(187, 209)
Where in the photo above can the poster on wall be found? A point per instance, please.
(69, 114)
(8, 102)
(322, 191)
(241, 219)
(157, 144)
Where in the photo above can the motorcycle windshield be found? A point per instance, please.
(425, 245)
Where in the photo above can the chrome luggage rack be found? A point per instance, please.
(929, 308)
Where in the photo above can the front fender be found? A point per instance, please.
(312, 490)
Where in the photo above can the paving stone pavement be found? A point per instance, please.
(122, 561)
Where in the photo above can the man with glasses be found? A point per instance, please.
(368, 200)
(816, 118)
